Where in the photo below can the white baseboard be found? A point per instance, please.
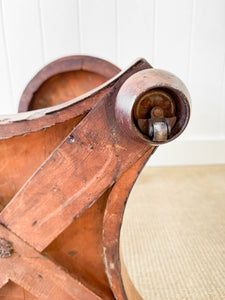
(189, 152)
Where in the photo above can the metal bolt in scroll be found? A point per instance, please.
(153, 105)
(155, 115)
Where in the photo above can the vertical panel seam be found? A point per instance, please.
(190, 50)
(153, 32)
(43, 51)
(222, 115)
(116, 33)
(11, 91)
(79, 25)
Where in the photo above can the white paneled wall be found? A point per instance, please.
(98, 28)
(23, 44)
(59, 26)
(135, 30)
(186, 37)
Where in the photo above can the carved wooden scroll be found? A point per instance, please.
(67, 168)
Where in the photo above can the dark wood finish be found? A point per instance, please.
(66, 173)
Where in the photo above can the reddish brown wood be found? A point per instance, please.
(21, 155)
(32, 121)
(81, 256)
(65, 79)
(113, 218)
(13, 291)
(39, 275)
(104, 148)
(66, 172)
(138, 87)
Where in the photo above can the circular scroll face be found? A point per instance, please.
(151, 97)
(154, 102)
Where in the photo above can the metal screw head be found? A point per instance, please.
(71, 139)
(6, 248)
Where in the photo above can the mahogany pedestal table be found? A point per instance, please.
(67, 168)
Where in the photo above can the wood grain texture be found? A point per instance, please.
(13, 125)
(61, 79)
(103, 147)
(38, 275)
(21, 156)
(119, 280)
(61, 206)
(79, 249)
(185, 37)
(13, 291)
(64, 220)
(65, 87)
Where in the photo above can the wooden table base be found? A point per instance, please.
(67, 168)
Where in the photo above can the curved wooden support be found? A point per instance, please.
(67, 170)
(104, 147)
(118, 277)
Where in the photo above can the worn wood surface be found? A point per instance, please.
(103, 148)
(65, 79)
(54, 218)
(22, 155)
(83, 257)
(13, 291)
(65, 176)
(113, 217)
(37, 274)
(31, 121)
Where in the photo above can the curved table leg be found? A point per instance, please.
(117, 274)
